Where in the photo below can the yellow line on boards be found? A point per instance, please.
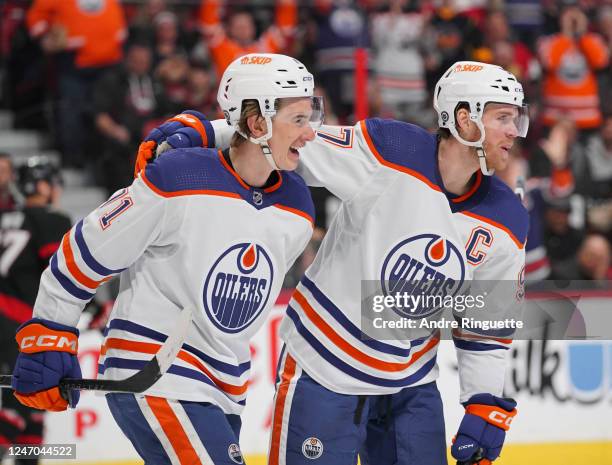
(572, 453)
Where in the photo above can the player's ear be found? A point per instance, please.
(257, 125)
(464, 124)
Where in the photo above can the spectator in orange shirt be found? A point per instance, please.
(240, 36)
(86, 40)
(570, 60)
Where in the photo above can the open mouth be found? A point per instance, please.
(294, 151)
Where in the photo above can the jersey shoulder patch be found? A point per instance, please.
(403, 146)
(502, 207)
(190, 169)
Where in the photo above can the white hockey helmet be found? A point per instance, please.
(477, 84)
(265, 77)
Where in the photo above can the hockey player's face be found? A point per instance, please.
(291, 130)
(500, 122)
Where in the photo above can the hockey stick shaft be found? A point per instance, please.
(138, 382)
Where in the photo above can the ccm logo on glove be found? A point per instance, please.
(36, 338)
(492, 414)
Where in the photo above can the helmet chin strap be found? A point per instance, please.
(265, 148)
(482, 156)
(482, 161)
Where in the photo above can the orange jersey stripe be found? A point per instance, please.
(348, 348)
(279, 409)
(232, 171)
(474, 188)
(152, 348)
(73, 268)
(158, 191)
(388, 164)
(297, 212)
(173, 430)
(497, 225)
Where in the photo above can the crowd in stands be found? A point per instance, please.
(98, 79)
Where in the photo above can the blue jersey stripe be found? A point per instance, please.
(353, 330)
(352, 371)
(66, 283)
(116, 362)
(140, 330)
(476, 346)
(87, 256)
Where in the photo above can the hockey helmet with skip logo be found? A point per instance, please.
(265, 77)
(477, 84)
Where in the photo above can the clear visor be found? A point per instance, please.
(522, 121)
(301, 110)
(516, 118)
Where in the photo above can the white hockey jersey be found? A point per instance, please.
(395, 215)
(187, 233)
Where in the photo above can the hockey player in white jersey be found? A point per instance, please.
(199, 228)
(415, 207)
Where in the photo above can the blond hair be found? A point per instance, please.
(249, 108)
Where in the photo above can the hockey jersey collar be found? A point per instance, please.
(244, 185)
(472, 197)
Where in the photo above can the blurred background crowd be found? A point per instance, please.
(94, 76)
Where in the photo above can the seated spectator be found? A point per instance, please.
(240, 36)
(124, 100)
(570, 60)
(592, 262)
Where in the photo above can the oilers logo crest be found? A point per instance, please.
(238, 286)
(421, 266)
